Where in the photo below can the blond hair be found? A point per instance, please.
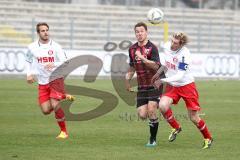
(182, 37)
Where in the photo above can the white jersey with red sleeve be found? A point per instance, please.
(39, 55)
(178, 64)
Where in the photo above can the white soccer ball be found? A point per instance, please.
(155, 15)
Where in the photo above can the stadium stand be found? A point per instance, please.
(89, 27)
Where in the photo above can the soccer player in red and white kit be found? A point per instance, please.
(43, 57)
(176, 61)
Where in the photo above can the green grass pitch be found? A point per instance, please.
(26, 134)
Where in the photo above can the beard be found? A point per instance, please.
(44, 38)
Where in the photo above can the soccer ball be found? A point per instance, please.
(155, 15)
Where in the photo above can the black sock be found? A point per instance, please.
(153, 125)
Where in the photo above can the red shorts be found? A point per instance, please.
(54, 89)
(188, 92)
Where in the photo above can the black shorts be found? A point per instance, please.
(149, 94)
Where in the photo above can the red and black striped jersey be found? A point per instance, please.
(144, 73)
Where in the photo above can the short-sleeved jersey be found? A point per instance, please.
(144, 73)
(176, 61)
(40, 54)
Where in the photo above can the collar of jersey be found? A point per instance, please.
(41, 44)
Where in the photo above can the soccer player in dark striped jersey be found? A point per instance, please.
(147, 95)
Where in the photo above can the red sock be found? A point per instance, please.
(168, 115)
(59, 115)
(203, 129)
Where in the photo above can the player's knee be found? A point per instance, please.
(162, 104)
(55, 105)
(142, 115)
(163, 107)
(152, 113)
(46, 112)
(194, 119)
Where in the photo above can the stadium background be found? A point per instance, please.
(84, 28)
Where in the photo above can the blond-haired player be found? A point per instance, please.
(176, 60)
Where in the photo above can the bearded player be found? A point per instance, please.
(43, 57)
